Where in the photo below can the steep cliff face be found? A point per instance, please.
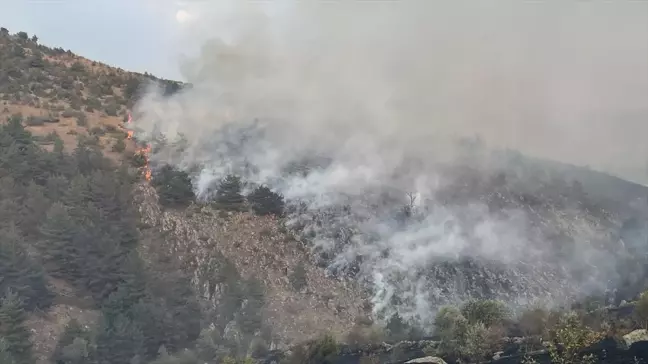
(259, 248)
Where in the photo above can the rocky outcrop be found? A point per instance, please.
(426, 360)
(259, 248)
(635, 337)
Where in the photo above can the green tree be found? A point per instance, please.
(20, 274)
(173, 186)
(397, 328)
(265, 202)
(13, 329)
(5, 355)
(58, 243)
(73, 345)
(251, 317)
(34, 206)
(119, 340)
(228, 195)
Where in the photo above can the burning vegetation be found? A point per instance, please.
(142, 152)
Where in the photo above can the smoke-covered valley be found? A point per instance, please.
(364, 116)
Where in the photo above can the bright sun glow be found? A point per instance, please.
(182, 16)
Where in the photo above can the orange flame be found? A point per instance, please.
(129, 132)
(146, 169)
(144, 152)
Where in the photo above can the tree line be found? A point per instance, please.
(70, 216)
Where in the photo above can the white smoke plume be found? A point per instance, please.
(375, 90)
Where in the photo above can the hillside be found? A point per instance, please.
(101, 264)
(63, 97)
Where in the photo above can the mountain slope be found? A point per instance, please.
(142, 277)
(61, 97)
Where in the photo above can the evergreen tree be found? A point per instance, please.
(55, 187)
(20, 274)
(173, 186)
(63, 353)
(228, 195)
(250, 317)
(34, 206)
(5, 356)
(58, 243)
(265, 202)
(397, 328)
(13, 329)
(119, 340)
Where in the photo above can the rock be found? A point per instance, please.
(427, 360)
(635, 336)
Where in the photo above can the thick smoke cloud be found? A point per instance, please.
(376, 90)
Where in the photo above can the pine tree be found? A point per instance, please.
(119, 340)
(58, 243)
(20, 274)
(55, 187)
(34, 206)
(13, 329)
(265, 202)
(5, 356)
(173, 186)
(73, 331)
(229, 194)
(250, 318)
(397, 328)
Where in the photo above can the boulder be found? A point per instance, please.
(427, 360)
(634, 337)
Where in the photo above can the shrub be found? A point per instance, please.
(298, 278)
(34, 121)
(97, 130)
(450, 327)
(119, 146)
(77, 67)
(111, 109)
(569, 339)
(449, 322)
(476, 344)
(641, 310)
(82, 120)
(69, 113)
(488, 312)
(139, 160)
(533, 322)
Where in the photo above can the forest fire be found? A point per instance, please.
(141, 151)
(144, 152)
(129, 132)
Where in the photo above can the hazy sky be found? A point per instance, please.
(139, 35)
(583, 65)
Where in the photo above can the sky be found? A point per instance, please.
(137, 35)
(586, 60)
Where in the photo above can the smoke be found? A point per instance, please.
(370, 95)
